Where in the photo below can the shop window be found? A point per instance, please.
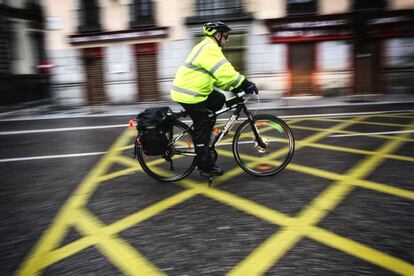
(218, 7)
(89, 18)
(301, 7)
(398, 65)
(361, 5)
(142, 14)
(333, 55)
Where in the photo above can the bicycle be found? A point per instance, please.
(263, 145)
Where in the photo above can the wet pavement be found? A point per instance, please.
(75, 202)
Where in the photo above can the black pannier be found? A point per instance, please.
(153, 126)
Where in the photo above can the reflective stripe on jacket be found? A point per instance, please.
(204, 68)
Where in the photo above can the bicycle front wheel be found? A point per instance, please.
(179, 159)
(266, 158)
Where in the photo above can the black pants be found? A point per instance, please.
(203, 126)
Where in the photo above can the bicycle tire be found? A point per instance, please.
(258, 161)
(158, 167)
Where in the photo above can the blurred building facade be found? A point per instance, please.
(127, 51)
(23, 63)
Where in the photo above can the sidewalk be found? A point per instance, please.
(39, 110)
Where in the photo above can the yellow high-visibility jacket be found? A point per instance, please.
(204, 68)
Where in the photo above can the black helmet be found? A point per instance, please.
(211, 28)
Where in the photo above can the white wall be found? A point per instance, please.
(334, 64)
(399, 61)
(68, 77)
(120, 73)
(334, 6)
(401, 4)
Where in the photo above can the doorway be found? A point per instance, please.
(95, 88)
(301, 64)
(147, 75)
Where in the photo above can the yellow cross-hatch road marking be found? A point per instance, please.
(260, 260)
(68, 216)
(130, 261)
(359, 122)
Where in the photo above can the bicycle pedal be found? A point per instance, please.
(208, 176)
(210, 180)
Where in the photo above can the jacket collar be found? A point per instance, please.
(212, 40)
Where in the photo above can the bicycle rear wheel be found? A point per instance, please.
(179, 159)
(270, 158)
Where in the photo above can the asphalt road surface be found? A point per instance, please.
(74, 201)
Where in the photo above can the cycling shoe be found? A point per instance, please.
(213, 171)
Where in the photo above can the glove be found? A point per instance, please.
(237, 90)
(249, 87)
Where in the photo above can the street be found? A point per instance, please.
(75, 202)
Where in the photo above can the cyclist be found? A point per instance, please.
(193, 87)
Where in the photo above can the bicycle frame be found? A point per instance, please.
(181, 146)
(239, 107)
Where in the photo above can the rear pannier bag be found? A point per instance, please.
(153, 127)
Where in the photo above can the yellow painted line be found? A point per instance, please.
(247, 206)
(275, 247)
(229, 137)
(260, 263)
(372, 133)
(354, 150)
(325, 202)
(310, 139)
(119, 174)
(121, 149)
(353, 132)
(361, 122)
(379, 187)
(322, 133)
(56, 232)
(195, 188)
(361, 251)
(269, 252)
(294, 121)
(315, 211)
(402, 115)
(126, 161)
(265, 256)
(67, 250)
(117, 227)
(336, 148)
(334, 194)
(315, 172)
(120, 253)
(270, 157)
(34, 263)
(386, 189)
(149, 212)
(388, 114)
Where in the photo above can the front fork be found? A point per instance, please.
(229, 125)
(256, 132)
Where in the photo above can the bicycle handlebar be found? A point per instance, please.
(241, 94)
(182, 113)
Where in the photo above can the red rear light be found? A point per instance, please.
(131, 123)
